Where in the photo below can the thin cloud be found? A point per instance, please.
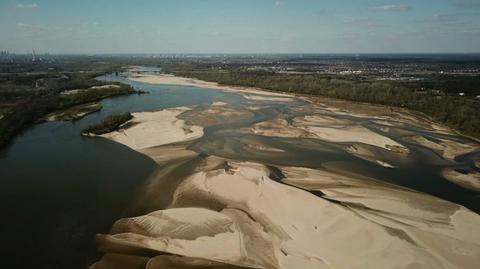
(467, 3)
(392, 8)
(32, 30)
(26, 6)
(444, 18)
(30, 27)
(279, 3)
(363, 22)
(451, 18)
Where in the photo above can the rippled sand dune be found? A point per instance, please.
(227, 195)
(235, 213)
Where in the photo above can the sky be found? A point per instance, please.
(240, 26)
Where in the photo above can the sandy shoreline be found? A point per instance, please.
(175, 80)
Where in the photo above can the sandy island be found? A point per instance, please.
(151, 129)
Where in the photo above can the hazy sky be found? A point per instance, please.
(240, 26)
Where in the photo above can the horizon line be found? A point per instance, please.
(237, 53)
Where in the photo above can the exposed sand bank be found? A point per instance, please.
(216, 113)
(469, 180)
(325, 128)
(260, 223)
(388, 117)
(268, 98)
(164, 154)
(278, 127)
(204, 211)
(449, 149)
(102, 87)
(175, 80)
(379, 113)
(356, 138)
(318, 126)
(364, 152)
(414, 213)
(330, 120)
(150, 129)
(75, 112)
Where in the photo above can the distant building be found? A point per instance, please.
(4, 53)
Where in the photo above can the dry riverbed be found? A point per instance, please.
(205, 210)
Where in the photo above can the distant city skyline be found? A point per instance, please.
(247, 26)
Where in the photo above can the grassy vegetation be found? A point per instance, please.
(460, 113)
(109, 124)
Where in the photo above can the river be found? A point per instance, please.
(59, 188)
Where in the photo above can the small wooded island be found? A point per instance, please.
(107, 125)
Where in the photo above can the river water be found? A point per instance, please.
(59, 188)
